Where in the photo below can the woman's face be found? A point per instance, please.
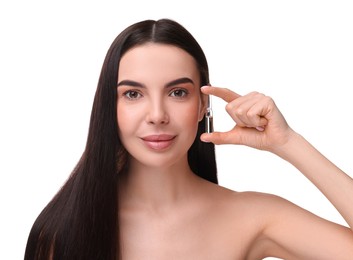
(159, 103)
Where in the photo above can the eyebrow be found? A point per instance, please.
(172, 83)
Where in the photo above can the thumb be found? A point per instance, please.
(220, 137)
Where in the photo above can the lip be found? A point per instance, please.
(158, 142)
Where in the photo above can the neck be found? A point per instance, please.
(157, 187)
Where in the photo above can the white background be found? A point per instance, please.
(298, 52)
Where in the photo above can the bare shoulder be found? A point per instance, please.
(245, 206)
(254, 210)
(255, 225)
(247, 200)
(240, 218)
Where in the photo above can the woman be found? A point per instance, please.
(146, 185)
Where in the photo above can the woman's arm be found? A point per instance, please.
(336, 185)
(259, 124)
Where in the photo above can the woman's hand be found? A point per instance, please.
(259, 123)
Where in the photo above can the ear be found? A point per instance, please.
(203, 106)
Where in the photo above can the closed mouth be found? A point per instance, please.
(159, 142)
(158, 138)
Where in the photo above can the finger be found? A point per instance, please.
(246, 101)
(223, 93)
(220, 138)
(238, 108)
(249, 113)
(257, 114)
(238, 121)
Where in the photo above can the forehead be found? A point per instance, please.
(155, 59)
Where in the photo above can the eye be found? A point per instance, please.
(179, 93)
(132, 94)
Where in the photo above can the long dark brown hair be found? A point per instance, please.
(81, 221)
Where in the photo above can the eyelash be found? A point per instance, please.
(128, 93)
(184, 91)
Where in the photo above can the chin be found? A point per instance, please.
(159, 160)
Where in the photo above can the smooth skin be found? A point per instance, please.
(167, 212)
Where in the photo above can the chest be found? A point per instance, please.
(201, 238)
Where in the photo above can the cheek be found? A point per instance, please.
(188, 115)
(127, 119)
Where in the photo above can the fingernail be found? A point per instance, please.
(260, 128)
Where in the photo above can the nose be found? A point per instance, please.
(157, 113)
